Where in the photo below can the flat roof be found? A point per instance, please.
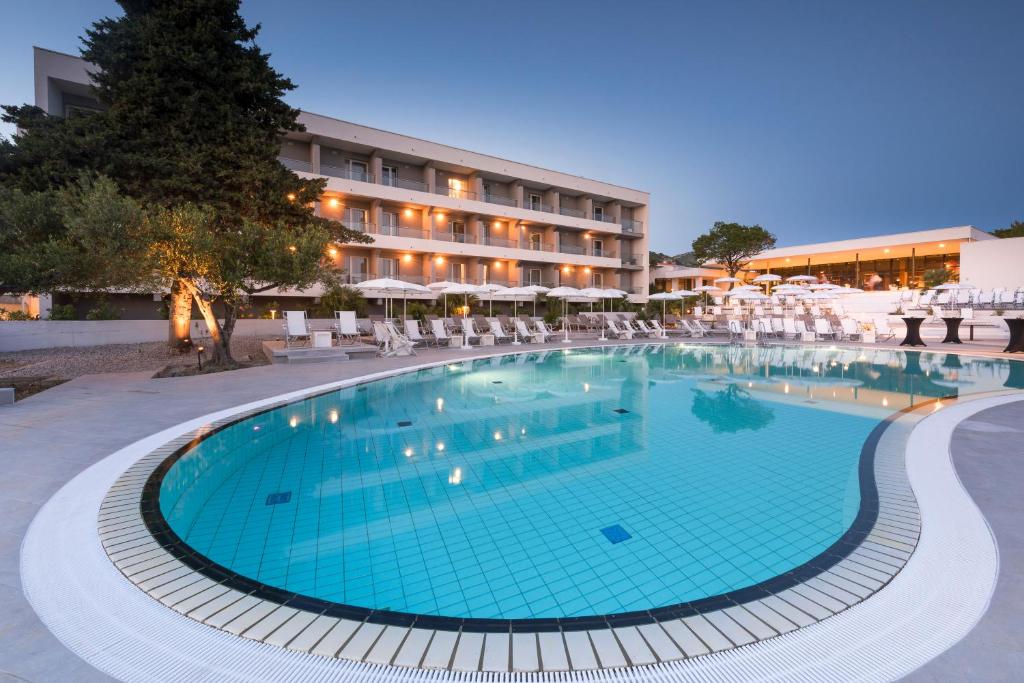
(953, 234)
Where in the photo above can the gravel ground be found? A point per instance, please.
(70, 362)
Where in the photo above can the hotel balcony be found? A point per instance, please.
(630, 228)
(632, 263)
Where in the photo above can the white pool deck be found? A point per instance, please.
(50, 438)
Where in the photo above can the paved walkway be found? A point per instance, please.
(49, 438)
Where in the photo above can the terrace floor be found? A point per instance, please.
(51, 437)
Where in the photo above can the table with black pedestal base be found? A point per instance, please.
(913, 337)
(1016, 344)
(952, 330)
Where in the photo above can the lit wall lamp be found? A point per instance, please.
(333, 202)
(408, 213)
(407, 258)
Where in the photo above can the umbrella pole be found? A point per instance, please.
(565, 318)
(515, 316)
(663, 332)
(604, 320)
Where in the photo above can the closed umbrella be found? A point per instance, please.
(564, 293)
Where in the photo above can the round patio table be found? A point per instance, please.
(913, 337)
(952, 330)
(1016, 344)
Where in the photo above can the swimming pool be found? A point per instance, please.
(553, 485)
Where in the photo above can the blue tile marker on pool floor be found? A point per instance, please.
(615, 534)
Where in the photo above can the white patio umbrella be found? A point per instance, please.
(665, 297)
(516, 293)
(730, 280)
(564, 293)
(492, 289)
(536, 289)
(767, 279)
(823, 285)
(593, 293)
(801, 278)
(613, 294)
(390, 287)
(707, 289)
(438, 286)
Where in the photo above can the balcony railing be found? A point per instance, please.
(539, 206)
(568, 211)
(360, 226)
(631, 261)
(603, 253)
(448, 236)
(296, 165)
(539, 246)
(454, 193)
(498, 242)
(603, 217)
(396, 231)
(404, 183)
(571, 249)
(500, 199)
(631, 227)
(353, 278)
(542, 283)
(347, 173)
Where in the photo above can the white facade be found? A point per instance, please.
(437, 212)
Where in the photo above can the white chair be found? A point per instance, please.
(735, 329)
(823, 329)
(412, 331)
(850, 327)
(617, 332)
(525, 333)
(401, 345)
(764, 327)
(882, 329)
(542, 328)
(295, 327)
(663, 331)
(345, 326)
(440, 333)
(644, 329)
(498, 331)
(789, 328)
(778, 327)
(469, 334)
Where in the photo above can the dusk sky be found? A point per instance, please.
(818, 120)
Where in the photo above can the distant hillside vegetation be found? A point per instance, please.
(684, 259)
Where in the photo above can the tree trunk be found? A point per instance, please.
(221, 350)
(180, 309)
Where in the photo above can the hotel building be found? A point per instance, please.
(437, 212)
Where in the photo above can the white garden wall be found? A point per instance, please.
(45, 334)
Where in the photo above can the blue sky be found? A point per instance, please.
(818, 120)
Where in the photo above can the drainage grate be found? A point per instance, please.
(616, 534)
(497, 381)
(620, 411)
(279, 498)
(405, 423)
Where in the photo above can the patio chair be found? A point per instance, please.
(499, 332)
(543, 330)
(412, 331)
(882, 329)
(439, 332)
(296, 327)
(345, 326)
(735, 328)
(644, 329)
(617, 332)
(823, 329)
(524, 333)
(850, 327)
(469, 334)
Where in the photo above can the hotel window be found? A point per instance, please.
(389, 176)
(389, 223)
(355, 219)
(355, 268)
(388, 266)
(598, 213)
(456, 188)
(534, 202)
(458, 229)
(598, 247)
(597, 279)
(357, 170)
(535, 241)
(457, 272)
(533, 276)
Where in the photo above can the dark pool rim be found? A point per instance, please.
(863, 523)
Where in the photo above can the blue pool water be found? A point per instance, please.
(554, 484)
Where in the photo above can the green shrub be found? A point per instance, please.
(551, 316)
(63, 312)
(17, 315)
(341, 298)
(936, 276)
(103, 311)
